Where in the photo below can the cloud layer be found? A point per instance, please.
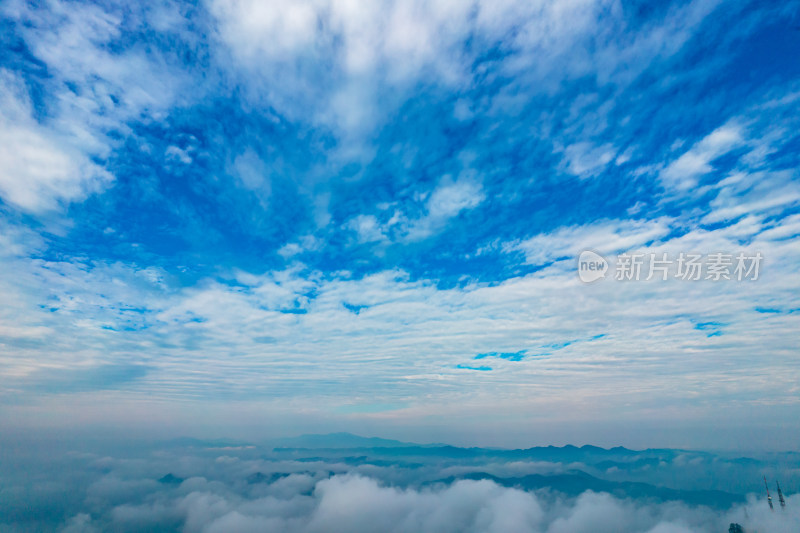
(323, 213)
(242, 488)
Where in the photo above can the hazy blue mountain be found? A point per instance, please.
(338, 441)
(577, 482)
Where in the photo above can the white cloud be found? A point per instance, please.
(435, 209)
(754, 184)
(252, 173)
(174, 152)
(234, 489)
(756, 194)
(446, 201)
(683, 173)
(80, 523)
(289, 339)
(307, 243)
(349, 66)
(58, 157)
(585, 160)
(95, 87)
(368, 228)
(40, 168)
(272, 30)
(449, 199)
(348, 501)
(611, 236)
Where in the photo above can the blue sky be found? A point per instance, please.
(323, 215)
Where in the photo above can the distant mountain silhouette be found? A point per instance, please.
(190, 442)
(260, 477)
(171, 479)
(576, 482)
(358, 445)
(338, 441)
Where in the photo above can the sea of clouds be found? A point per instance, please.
(231, 489)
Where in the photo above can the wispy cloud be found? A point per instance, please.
(42, 167)
(305, 205)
